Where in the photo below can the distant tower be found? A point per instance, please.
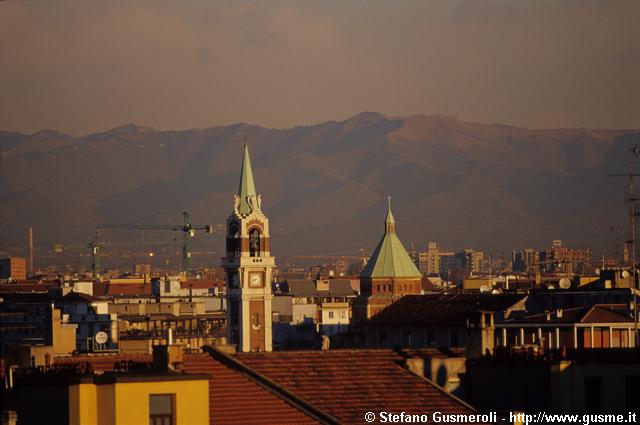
(625, 255)
(389, 274)
(248, 268)
(30, 248)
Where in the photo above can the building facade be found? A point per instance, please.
(13, 268)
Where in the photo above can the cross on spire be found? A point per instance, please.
(390, 222)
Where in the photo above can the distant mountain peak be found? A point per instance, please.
(47, 134)
(364, 119)
(125, 129)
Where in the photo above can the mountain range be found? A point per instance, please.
(324, 187)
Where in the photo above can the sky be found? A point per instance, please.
(84, 66)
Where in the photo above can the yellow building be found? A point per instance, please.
(477, 284)
(123, 399)
(128, 392)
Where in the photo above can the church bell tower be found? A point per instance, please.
(248, 266)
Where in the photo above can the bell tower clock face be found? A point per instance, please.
(256, 280)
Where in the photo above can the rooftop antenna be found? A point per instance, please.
(632, 199)
(634, 152)
(2, 252)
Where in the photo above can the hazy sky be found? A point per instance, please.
(82, 67)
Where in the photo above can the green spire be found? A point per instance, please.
(390, 259)
(247, 187)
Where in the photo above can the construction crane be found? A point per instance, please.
(187, 229)
(95, 255)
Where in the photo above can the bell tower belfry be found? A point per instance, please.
(248, 266)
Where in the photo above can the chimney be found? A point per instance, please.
(326, 343)
(480, 332)
(168, 358)
(559, 313)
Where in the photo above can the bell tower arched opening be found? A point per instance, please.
(254, 243)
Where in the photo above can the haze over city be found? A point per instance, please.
(80, 68)
(428, 69)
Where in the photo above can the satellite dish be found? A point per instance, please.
(597, 272)
(625, 274)
(565, 283)
(101, 337)
(484, 288)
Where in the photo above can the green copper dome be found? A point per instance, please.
(247, 187)
(390, 259)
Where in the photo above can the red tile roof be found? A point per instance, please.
(115, 289)
(348, 383)
(427, 285)
(589, 314)
(601, 314)
(237, 399)
(441, 309)
(78, 297)
(202, 284)
(233, 397)
(103, 362)
(27, 287)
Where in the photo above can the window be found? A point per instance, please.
(620, 338)
(233, 231)
(162, 409)
(254, 243)
(331, 315)
(601, 337)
